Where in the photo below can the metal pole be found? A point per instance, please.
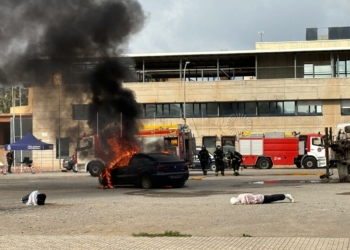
(59, 127)
(295, 65)
(184, 87)
(13, 117)
(256, 67)
(143, 70)
(202, 123)
(20, 116)
(217, 68)
(97, 124)
(121, 125)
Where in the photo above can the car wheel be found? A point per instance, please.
(146, 182)
(264, 163)
(179, 184)
(212, 167)
(309, 162)
(95, 168)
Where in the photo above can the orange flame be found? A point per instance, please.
(123, 149)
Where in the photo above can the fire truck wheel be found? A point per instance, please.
(146, 181)
(95, 168)
(212, 167)
(264, 163)
(309, 162)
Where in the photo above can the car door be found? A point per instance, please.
(133, 169)
(196, 162)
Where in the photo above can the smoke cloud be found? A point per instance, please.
(68, 29)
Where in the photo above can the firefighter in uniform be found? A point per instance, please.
(203, 156)
(219, 161)
(230, 157)
(237, 161)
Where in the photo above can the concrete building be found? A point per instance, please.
(277, 87)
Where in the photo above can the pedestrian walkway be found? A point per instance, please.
(170, 243)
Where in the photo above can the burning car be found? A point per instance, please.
(147, 171)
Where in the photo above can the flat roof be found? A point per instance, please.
(236, 52)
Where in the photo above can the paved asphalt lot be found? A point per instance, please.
(76, 206)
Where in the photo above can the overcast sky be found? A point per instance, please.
(215, 25)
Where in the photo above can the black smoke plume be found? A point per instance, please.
(113, 107)
(57, 30)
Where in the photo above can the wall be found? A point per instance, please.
(52, 107)
(302, 44)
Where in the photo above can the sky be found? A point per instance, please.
(218, 25)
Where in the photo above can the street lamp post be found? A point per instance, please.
(184, 87)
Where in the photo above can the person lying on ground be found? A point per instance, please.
(34, 198)
(248, 198)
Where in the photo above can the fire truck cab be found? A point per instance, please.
(168, 138)
(90, 155)
(269, 149)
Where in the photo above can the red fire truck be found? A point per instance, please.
(90, 155)
(269, 149)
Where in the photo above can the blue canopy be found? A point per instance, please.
(28, 142)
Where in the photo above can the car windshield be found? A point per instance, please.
(164, 157)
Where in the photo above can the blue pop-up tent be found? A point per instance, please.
(29, 142)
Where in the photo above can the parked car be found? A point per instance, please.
(150, 170)
(68, 163)
(197, 165)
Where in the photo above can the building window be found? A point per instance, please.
(250, 108)
(197, 109)
(309, 108)
(189, 109)
(212, 109)
(345, 107)
(276, 108)
(175, 110)
(289, 108)
(62, 147)
(317, 71)
(343, 69)
(80, 111)
(150, 110)
(225, 108)
(162, 110)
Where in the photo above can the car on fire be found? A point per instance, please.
(148, 170)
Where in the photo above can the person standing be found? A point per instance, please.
(9, 157)
(219, 161)
(247, 198)
(203, 156)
